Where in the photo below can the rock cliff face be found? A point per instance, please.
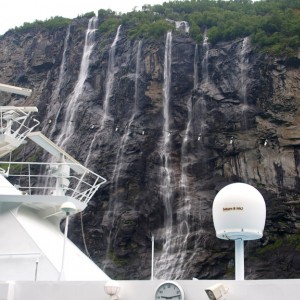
(168, 123)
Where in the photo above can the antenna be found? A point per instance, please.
(68, 208)
(152, 257)
(239, 214)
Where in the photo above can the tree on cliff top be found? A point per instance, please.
(272, 24)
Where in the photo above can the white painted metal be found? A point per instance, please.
(19, 252)
(67, 208)
(145, 289)
(78, 186)
(32, 247)
(13, 130)
(7, 188)
(57, 152)
(27, 109)
(61, 273)
(152, 257)
(239, 212)
(44, 205)
(25, 237)
(239, 259)
(15, 90)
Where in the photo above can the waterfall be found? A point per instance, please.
(196, 75)
(204, 86)
(110, 77)
(166, 128)
(185, 161)
(59, 85)
(184, 212)
(166, 188)
(54, 97)
(137, 77)
(200, 111)
(186, 217)
(119, 163)
(71, 106)
(243, 67)
(205, 59)
(182, 25)
(244, 64)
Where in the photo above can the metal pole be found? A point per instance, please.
(36, 269)
(152, 258)
(64, 246)
(239, 259)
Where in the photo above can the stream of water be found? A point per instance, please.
(60, 82)
(71, 104)
(119, 163)
(110, 77)
(176, 255)
(166, 173)
(244, 65)
(183, 215)
(55, 97)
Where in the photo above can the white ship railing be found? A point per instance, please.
(60, 176)
(13, 119)
(57, 179)
(13, 127)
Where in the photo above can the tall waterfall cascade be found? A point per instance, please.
(244, 66)
(166, 170)
(108, 93)
(56, 98)
(110, 78)
(72, 104)
(119, 164)
(60, 82)
(204, 84)
(184, 214)
(177, 252)
(205, 48)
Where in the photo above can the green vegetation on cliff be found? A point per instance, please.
(52, 23)
(272, 24)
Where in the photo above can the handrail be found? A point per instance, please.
(42, 180)
(65, 177)
(12, 123)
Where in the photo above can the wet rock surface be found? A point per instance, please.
(233, 117)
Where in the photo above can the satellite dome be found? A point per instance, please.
(239, 212)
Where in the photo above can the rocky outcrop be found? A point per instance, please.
(232, 117)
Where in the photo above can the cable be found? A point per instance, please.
(83, 236)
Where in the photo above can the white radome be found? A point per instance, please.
(239, 212)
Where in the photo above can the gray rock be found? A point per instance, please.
(243, 127)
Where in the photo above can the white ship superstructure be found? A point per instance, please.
(34, 198)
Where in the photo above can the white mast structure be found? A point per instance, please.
(32, 204)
